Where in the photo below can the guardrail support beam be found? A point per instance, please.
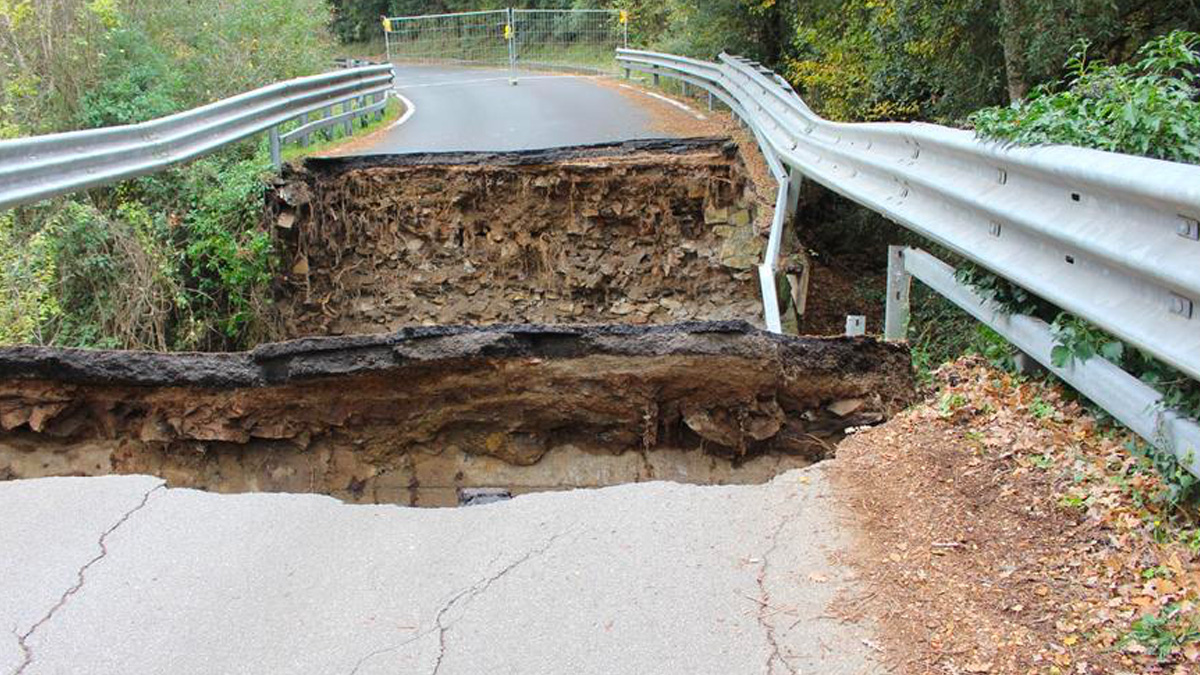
(276, 151)
(897, 308)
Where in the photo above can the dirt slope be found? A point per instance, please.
(1002, 531)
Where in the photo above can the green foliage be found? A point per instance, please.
(1147, 108)
(1182, 486)
(66, 62)
(137, 83)
(1079, 341)
(1010, 297)
(115, 276)
(903, 59)
(27, 300)
(220, 49)
(175, 261)
(940, 332)
(1164, 632)
(228, 253)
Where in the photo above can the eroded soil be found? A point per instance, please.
(413, 416)
(638, 232)
(1003, 530)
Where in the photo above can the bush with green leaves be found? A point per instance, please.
(27, 276)
(136, 83)
(226, 250)
(1150, 107)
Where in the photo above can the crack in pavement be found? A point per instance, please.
(469, 593)
(23, 639)
(765, 602)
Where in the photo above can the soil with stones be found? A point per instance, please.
(1002, 530)
(369, 414)
(638, 232)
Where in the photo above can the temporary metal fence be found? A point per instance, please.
(1111, 238)
(530, 38)
(36, 168)
(464, 37)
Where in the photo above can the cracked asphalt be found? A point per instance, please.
(123, 575)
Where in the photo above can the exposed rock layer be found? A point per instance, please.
(648, 231)
(371, 416)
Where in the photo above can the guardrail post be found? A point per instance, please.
(627, 73)
(710, 101)
(378, 113)
(304, 136)
(896, 311)
(276, 151)
(655, 79)
(327, 131)
(348, 125)
(795, 182)
(684, 88)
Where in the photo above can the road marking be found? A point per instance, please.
(665, 99)
(409, 109)
(495, 79)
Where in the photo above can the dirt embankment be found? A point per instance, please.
(639, 232)
(1004, 531)
(411, 417)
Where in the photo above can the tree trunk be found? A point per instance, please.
(1014, 49)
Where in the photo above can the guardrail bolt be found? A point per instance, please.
(1181, 306)
(1188, 228)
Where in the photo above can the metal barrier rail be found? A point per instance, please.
(1112, 238)
(1126, 398)
(36, 168)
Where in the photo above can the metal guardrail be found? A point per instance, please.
(40, 167)
(1112, 238)
(1134, 403)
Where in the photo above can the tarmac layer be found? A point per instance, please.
(469, 108)
(123, 575)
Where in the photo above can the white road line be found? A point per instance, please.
(665, 99)
(409, 109)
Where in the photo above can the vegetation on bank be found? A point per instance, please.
(176, 260)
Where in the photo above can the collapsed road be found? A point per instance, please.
(457, 326)
(438, 411)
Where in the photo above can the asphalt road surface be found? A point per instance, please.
(465, 108)
(122, 575)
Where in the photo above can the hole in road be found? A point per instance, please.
(634, 235)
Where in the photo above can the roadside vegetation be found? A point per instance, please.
(172, 261)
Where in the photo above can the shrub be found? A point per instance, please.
(1146, 108)
(137, 83)
(27, 300)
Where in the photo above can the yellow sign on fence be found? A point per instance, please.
(387, 25)
(624, 16)
(508, 31)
